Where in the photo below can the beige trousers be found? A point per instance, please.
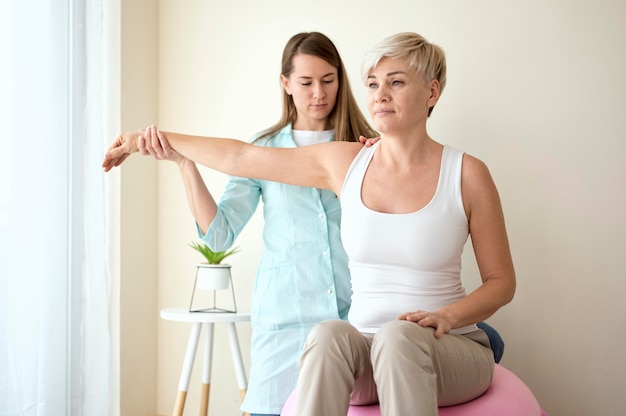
(403, 367)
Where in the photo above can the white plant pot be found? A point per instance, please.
(213, 276)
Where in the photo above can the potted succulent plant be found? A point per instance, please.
(213, 274)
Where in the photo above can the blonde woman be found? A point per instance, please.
(409, 204)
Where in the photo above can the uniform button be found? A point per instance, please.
(324, 253)
(320, 215)
(329, 291)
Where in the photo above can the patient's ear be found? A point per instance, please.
(435, 92)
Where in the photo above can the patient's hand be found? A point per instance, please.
(149, 141)
(123, 146)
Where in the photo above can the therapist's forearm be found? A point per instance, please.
(201, 202)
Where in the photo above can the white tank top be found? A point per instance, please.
(404, 262)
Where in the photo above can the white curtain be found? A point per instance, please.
(57, 350)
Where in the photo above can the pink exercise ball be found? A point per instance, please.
(507, 395)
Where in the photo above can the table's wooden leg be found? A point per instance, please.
(180, 403)
(237, 360)
(242, 394)
(204, 399)
(206, 370)
(183, 383)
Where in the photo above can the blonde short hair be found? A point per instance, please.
(429, 60)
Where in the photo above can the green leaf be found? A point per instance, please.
(212, 257)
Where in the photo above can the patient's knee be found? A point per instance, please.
(397, 336)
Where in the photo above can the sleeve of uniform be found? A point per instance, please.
(235, 208)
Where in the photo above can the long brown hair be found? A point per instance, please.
(346, 118)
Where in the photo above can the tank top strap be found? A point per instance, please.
(450, 173)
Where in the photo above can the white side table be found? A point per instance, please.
(209, 319)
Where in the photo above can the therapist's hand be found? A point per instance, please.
(157, 146)
(368, 141)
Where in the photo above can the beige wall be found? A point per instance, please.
(535, 89)
(138, 315)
